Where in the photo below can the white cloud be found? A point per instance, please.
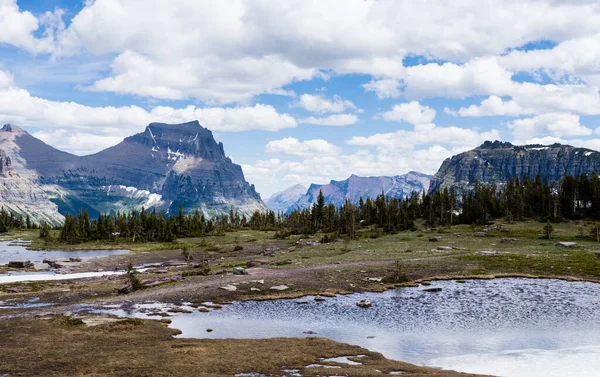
(101, 125)
(18, 27)
(580, 57)
(332, 120)
(384, 88)
(6, 80)
(411, 112)
(425, 134)
(551, 124)
(320, 104)
(293, 147)
(227, 51)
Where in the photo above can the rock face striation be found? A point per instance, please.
(162, 167)
(356, 187)
(497, 162)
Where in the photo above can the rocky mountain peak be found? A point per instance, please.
(9, 127)
(180, 140)
(495, 145)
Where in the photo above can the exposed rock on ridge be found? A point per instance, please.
(497, 162)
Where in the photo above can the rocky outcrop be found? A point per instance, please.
(162, 167)
(497, 162)
(356, 187)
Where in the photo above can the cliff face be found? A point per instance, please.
(497, 162)
(162, 167)
(356, 187)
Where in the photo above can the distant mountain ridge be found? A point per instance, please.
(354, 188)
(498, 161)
(162, 167)
(284, 200)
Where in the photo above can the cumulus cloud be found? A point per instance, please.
(227, 52)
(103, 125)
(319, 104)
(335, 120)
(551, 124)
(411, 112)
(293, 147)
(384, 88)
(425, 134)
(18, 27)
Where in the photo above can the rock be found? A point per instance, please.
(444, 248)
(279, 288)
(151, 282)
(488, 252)
(479, 234)
(20, 264)
(364, 303)
(229, 288)
(209, 330)
(204, 310)
(253, 289)
(309, 332)
(378, 280)
(254, 263)
(16, 289)
(123, 290)
(240, 271)
(508, 240)
(566, 244)
(319, 299)
(54, 262)
(261, 281)
(166, 320)
(41, 266)
(437, 289)
(302, 302)
(435, 239)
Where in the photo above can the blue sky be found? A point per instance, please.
(309, 92)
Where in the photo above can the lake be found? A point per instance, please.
(503, 327)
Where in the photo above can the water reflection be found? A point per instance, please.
(507, 327)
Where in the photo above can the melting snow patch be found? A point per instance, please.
(323, 366)
(587, 153)
(342, 360)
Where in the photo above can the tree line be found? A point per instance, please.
(524, 198)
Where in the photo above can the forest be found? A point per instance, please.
(571, 198)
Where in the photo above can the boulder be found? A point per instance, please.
(479, 234)
(41, 266)
(437, 289)
(279, 288)
(240, 271)
(508, 240)
(444, 248)
(364, 303)
(488, 252)
(435, 239)
(230, 288)
(20, 264)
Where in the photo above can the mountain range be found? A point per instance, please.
(353, 189)
(163, 167)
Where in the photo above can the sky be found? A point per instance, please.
(306, 91)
